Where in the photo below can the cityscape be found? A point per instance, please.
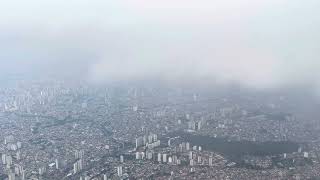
(52, 130)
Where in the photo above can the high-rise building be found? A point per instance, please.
(78, 166)
(192, 125)
(42, 170)
(194, 148)
(18, 155)
(23, 175)
(150, 139)
(159, 157)
(137, 143)
(197, 126)
(12, 176)
(149, 155)
(183, 144)
(158, 142)
(79, 154)
(210, 161)
(8, 161)
(180, 148)
(155, 137)
(187, 146)
(4, 159)
(119, 170)
(174, 159)
(164, 158)
(191, 162)
(105, 177)
(144, 139)
(8, 139)
(57, 164)
(121, 159)
(190, 155)
(75, 168)
(138, 156)
(140, 141)
(199, 160)
(18, 169)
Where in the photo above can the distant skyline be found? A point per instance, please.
(261, 44)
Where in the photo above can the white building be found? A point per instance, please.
(159, 157)
(164, 158)
(119, 171)
(210, 161)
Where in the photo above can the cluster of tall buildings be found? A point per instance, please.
(182, 147)
(42, 170)
(79, 164)
(140, 155)
(195, 158)
(120, 171)
(158, 157)
(78, 154)
(7, 158)
(151, 141)
(194, 125)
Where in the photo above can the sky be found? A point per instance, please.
(257, 43)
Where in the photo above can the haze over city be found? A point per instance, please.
(266, 43)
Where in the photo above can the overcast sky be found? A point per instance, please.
(259, 43)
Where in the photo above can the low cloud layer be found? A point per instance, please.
(264, 44)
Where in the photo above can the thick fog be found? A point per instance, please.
(258, 43)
